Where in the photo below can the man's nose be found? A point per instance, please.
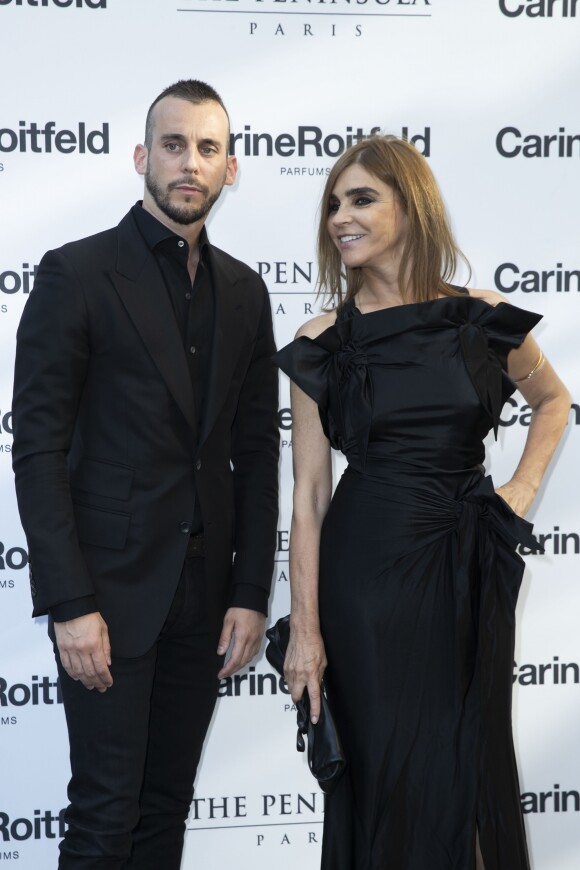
(190, 160)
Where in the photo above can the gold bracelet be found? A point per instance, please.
(537, 367)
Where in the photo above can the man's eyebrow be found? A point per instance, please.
(214, 142)
(166, 136)
(172, 137)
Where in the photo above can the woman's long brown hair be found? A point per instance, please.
(430, 255)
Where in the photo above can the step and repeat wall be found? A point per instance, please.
(488, 91)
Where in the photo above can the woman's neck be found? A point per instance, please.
(379, 289)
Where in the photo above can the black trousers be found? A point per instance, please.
(135, 748)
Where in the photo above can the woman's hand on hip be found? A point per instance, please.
(519, 494)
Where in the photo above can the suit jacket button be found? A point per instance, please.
(198, 465)
(185, 528)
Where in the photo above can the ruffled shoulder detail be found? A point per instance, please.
(507, 326)
(487, 334)
(306, 363)
(310, 364)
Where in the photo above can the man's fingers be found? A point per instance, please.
(75, 669)
(91, 669)
(85, 650)
(106, 647)
(101, 673)
(243, 651)
(66, 663)
(225, 637)
(247, 629)
(235, 661)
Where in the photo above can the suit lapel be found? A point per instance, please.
(144, 295)
(229, 335)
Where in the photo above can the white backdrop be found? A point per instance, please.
(490, 87)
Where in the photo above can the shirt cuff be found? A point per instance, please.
(251, 597)
(67, 610)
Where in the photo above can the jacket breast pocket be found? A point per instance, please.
(108, 479)
(100, 527)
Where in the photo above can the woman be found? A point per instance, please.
(404, 585)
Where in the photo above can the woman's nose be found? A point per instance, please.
(340, 216)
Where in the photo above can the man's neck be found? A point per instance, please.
(189, 232)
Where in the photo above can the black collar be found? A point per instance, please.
(154, 232)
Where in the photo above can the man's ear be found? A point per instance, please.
(140, 155)
(232, 170)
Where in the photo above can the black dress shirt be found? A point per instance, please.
(193, 304)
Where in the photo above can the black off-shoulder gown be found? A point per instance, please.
(419, 578)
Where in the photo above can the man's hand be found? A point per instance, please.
(247, 629)
(85, 651)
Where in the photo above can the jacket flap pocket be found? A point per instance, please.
(101, 528)
(103, 478)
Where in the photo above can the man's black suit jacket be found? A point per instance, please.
(108, 455)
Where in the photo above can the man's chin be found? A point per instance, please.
(185, 217)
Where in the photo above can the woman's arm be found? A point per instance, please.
(306, 660)
(550, 403)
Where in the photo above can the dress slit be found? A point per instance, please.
(479, 865)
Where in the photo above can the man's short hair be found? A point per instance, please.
(186, 89)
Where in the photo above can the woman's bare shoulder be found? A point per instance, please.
(492, 297)
(312, 328)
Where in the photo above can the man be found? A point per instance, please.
(145, 455)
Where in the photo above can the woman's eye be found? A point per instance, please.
(332, 207)
(363, 200)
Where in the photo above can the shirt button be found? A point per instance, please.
(180, 243)
(198, 465)
(188, 296)
(185, 528)
(192, 349)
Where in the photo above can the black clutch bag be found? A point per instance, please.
(325, 755)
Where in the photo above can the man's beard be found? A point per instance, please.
(181, 214)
